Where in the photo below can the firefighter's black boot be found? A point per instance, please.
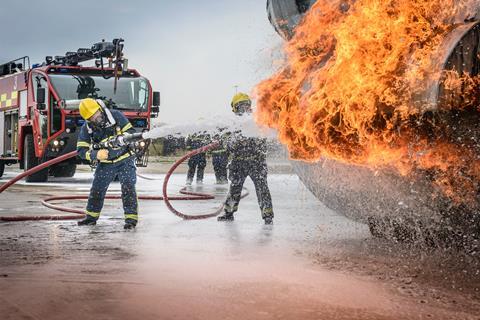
(226, 217)
(130, 224)
(268, 220)
(88, 221)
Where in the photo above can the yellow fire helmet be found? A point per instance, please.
(88, 107)
(238, 99)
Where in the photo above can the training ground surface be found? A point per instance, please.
(311, 264)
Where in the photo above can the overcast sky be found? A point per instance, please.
(194, 52)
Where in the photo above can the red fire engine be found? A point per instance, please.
(39, 118)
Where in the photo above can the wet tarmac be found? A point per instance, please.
(311, 264)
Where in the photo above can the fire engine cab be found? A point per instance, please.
(39, 118)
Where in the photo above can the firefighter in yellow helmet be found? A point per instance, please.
(241, 103)
(102, 123)
(248, 159)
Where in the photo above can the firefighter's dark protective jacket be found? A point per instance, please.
(246, 148)
(89, 135)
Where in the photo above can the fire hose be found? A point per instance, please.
(78, 214)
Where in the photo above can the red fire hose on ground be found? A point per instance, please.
(78, 214)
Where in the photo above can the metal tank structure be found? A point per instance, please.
(286, 15)
(397, 207)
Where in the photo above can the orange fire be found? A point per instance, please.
(352, 89)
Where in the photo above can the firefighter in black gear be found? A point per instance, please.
(220, 161)
(199, 161)
(248, 159)
(100, 125)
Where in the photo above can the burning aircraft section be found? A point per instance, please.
(379, 99)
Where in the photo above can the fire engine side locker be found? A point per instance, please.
(9, 132)
(9, 136)
(2, 130)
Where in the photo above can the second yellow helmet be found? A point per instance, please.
(239, 98)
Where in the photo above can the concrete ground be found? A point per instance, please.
(311, 264)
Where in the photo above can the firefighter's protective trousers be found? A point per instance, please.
(220, 163)
(257, 170)
(197, 163)
(105, 173)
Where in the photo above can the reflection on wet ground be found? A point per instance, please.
(311, 264)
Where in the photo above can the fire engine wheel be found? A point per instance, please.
(2, 168)
(65, 171)
(30, 161)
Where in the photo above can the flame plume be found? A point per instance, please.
(353, 89)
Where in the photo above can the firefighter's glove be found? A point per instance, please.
(102, 154)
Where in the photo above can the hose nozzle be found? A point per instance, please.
(128, 138)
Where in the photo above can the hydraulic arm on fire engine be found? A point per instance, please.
(112, 51)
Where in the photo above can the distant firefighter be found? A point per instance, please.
(249, 159)
(198, 162)
(220, 161)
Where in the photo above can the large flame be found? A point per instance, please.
(352, 89)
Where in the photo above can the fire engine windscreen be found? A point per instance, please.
(131, 94)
